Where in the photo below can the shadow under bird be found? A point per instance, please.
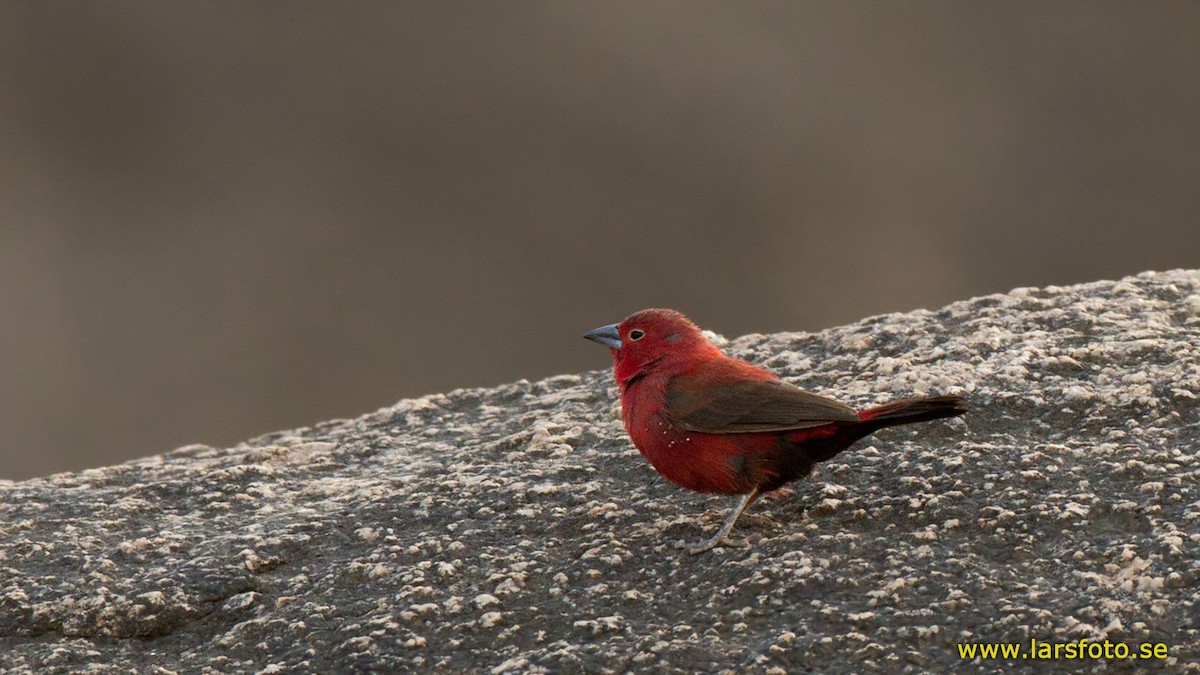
(715, 424)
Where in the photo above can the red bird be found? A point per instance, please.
(711, 423)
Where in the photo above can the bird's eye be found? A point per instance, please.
(637, 334)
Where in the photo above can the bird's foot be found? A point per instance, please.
(721, 539)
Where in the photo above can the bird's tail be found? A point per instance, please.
(871, 420)
(912, 410)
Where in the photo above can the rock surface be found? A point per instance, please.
(516, 530)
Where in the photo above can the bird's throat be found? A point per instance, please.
(627, 371)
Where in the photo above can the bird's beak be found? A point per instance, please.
(605, 335)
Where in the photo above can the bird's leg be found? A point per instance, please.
(719, 538)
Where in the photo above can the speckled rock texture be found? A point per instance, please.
(516, 530)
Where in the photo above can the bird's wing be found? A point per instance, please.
(709, 403)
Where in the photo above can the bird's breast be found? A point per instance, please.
(697, 461)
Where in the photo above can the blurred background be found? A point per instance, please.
(219, 219)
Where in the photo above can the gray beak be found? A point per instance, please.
(605, 335)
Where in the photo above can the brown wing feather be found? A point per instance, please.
(698, 403)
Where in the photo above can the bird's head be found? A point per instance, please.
(652, 339)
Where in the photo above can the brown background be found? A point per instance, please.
(224, 218)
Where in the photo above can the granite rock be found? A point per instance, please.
(515, 529)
